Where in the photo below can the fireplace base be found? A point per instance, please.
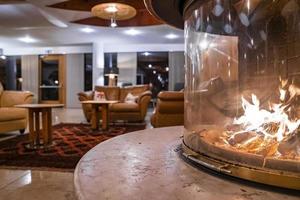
(259, 175)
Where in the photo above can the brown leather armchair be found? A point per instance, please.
(169, 109)
(11, 118)
(132, 112)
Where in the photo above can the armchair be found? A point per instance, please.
(12, 118)
(169, 109)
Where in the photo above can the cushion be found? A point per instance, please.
(131, 98)
(98, 96)
(134, 90)
(124, 107)
(111, 93)
(9, 114)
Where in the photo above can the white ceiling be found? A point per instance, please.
(25, 19)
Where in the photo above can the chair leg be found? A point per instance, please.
(22, 131)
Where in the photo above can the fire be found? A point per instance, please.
(257, 120)
(264, 131)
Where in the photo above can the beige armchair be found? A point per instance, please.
(132, 112)
(169, 109)
(11, 118)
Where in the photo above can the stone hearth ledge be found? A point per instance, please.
(144, 165)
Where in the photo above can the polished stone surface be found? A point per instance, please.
(35, 184)
(144, 165)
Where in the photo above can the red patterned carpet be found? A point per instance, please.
(72, 142)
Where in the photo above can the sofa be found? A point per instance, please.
(130, 112)
(11, 118)
(169, 110)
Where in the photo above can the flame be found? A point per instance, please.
(259, 120)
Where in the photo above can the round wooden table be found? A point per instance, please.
(34, 110)
(104, 111)
(147, 165)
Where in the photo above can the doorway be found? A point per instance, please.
(52, 79)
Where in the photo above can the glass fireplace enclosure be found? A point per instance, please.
(243, 83)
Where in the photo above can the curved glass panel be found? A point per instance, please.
(243, 82)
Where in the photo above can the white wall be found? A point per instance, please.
(30, 74)
(176, 68)
(127, 64)
(74, 79)
(46, 50)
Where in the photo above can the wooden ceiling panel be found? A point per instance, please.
(143, 17)
(86, 5)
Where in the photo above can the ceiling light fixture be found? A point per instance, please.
(87, 30)
(27, 39)
(172, 36)
(150, 66)
(114, 12)
(132, 32)
(113, 23)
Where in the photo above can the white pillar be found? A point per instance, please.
(176, 68)
(98, 64)
(30, 74)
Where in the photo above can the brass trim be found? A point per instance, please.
(259, 175)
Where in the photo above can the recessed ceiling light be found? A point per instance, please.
(172, 36)
(154, 72)
(146, 53)
(27, 39)
(87, 30)
(132, 32)
(150, 66)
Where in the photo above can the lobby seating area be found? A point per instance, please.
(149, 100)
(133, 110)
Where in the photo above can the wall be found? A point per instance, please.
(127, 64)
(74, 79)
(176, 68)
(30, 74)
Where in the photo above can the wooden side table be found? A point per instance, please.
(34, 111)
(104, 110)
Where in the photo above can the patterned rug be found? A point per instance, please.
(72, 141)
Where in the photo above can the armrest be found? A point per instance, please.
(143, 95)
(84, 96)
(143, 101)
(171, 96)
(11, 98)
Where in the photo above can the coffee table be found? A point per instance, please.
(104, 110)
(34, 111)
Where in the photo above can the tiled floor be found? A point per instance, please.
(42, 185)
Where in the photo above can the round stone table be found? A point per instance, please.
(145, 165)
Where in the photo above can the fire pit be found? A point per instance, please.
(242, 87)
